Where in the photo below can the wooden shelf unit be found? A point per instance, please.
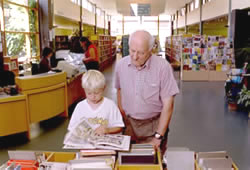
(62, 42)
(105, 49)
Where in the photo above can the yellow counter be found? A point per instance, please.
(13, 115)
(46, 95)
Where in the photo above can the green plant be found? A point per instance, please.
(244, 97)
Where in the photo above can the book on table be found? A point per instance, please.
(82, 136)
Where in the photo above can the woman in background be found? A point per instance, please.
(44, 65)
(91, 60)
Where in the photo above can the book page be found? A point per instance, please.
(82, 136)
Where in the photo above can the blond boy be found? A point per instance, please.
(100, 111)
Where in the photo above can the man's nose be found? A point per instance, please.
(135, 55)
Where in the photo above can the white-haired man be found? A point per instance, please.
(145, 91)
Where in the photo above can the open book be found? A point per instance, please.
(82, 136)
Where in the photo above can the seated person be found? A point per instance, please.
(6, 77)
(44, 65)
(102, 112)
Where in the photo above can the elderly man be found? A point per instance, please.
(145, 91)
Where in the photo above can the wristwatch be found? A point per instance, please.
(158, 136)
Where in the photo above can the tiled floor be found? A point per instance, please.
(201, 122)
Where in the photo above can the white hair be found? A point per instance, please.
(150, 38)
(93, 80)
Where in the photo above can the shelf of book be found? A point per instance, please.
(202, 58)
(62, 42)
(104, 45)
(113, 47)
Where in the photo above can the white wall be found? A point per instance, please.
(100, 21)
(210, 10)
(88, 17)
(215, 8)
(193, 17)
(68, 9)
(181, 21)
(239, 4)
(174, 24)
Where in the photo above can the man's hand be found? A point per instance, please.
(101, 130)
(156, 143)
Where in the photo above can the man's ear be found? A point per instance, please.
(104, 87)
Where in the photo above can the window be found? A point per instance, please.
(90, 7)
(98, 11)
(196, 4)
(191, 6)
(183, 11)
(84, 4)
(19, 27)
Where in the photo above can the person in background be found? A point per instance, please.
(44, 65)
(91, 59)
(146, 89)
(6, 77)
(100, 111)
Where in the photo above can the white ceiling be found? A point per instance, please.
(114, 7)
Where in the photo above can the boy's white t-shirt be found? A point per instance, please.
(106, 114)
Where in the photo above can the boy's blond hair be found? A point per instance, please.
(93, 80)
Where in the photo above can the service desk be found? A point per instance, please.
(13, 115)
(46, 95)
(75, 90)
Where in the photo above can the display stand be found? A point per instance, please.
(202, 58)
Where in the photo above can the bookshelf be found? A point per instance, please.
(173, 50)
(125, 47)
(105, 49)
(201, 57)
(113, 47)
(62, 42)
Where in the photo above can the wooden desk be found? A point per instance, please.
(13, 115)
(46, 95)
(75, 90)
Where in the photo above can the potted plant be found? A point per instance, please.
(244, 99)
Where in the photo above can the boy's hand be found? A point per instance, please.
(101, 130)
